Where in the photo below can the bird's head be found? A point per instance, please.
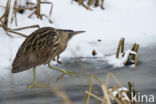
(68, 34)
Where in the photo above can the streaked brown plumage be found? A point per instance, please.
(42, 46)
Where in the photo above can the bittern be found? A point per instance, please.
(40, 47)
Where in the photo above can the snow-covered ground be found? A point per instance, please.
(133, 19)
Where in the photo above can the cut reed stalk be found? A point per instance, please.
(135, 49)
(134, 56)
(120, 47)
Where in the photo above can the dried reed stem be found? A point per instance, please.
(135, 57)
(90, 89)
(120, 46)
(118, 49)
(61, 94)
(93, 95)
(14, 13)
(113, 77)
(38, 9)
(23, 35)
(33, 26)
(106, 96)
(4, 17)
(114, 97)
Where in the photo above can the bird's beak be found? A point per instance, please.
(77, 32)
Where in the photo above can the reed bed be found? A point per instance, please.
(88, 3)
(18, 8)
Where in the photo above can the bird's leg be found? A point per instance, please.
(69, 73)
(58, 59)
(35, 84)
(54, 59)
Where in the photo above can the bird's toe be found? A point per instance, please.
(38, 85)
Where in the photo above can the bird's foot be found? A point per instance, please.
(38, 85)
(69, 73)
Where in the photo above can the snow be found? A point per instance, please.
(121, 60)
(132, 19)
(118, 91)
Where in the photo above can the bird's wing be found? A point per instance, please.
(35, 50)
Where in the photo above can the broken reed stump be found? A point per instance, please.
(135, 48)
(88, 3)
(131, 56)
(120, 47)
(135, 57)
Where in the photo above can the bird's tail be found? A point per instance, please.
(15, 70)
